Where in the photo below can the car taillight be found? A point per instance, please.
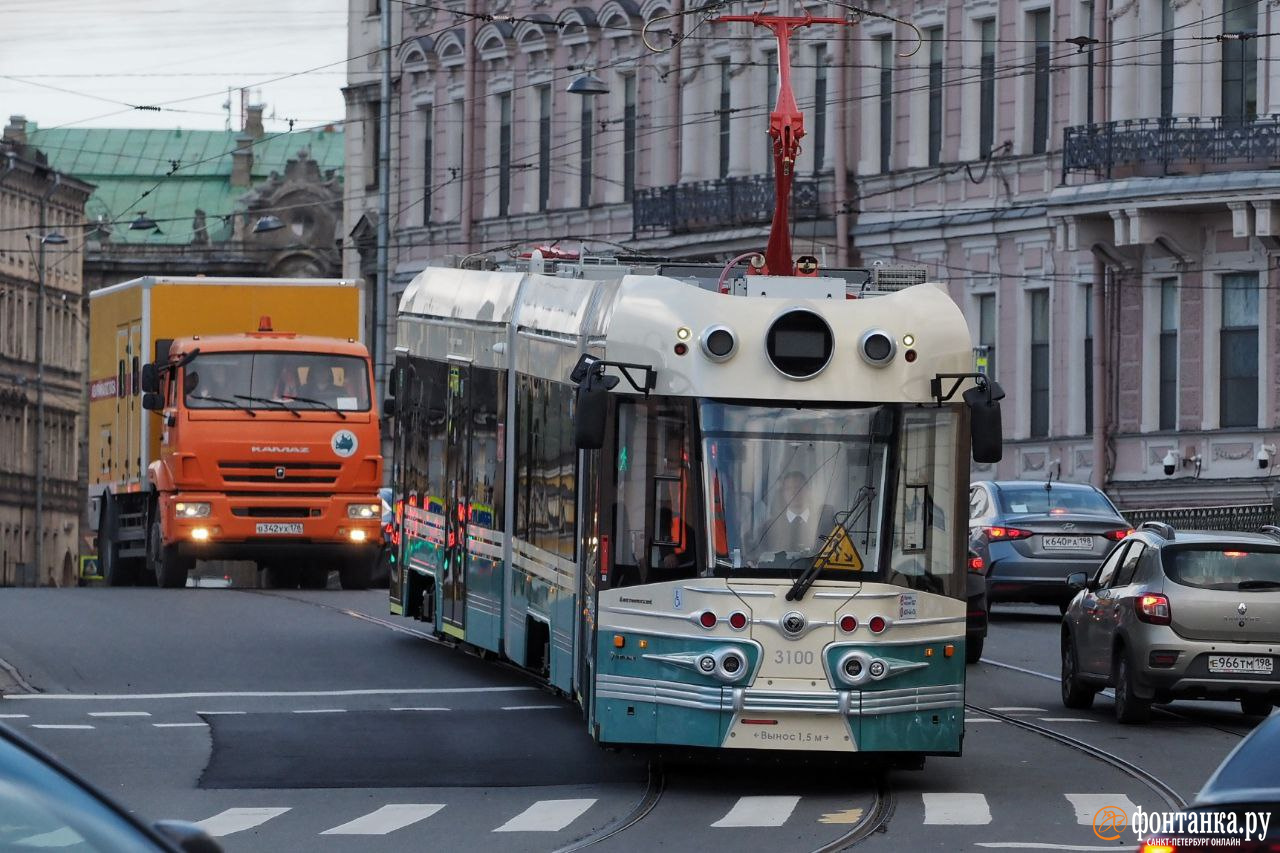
(707, 619)
(999, 533)
(848, 623)
(1117, 535)
(1153, 608)
(976, 564)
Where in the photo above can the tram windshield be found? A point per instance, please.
(785, 485)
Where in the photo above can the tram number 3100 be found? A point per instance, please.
(793, 658)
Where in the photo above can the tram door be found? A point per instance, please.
(457, 497)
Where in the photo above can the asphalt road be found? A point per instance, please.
(312, 721)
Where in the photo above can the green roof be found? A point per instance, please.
(125, 163)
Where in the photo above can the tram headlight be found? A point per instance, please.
(856, 668)
(853, 668)
(877, 347)
(731, 665)
(719, 343)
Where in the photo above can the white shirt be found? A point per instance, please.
(803, 516)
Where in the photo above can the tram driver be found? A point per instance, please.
(796, 522)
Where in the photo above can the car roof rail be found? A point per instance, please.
(1159, 528)
(1270, 530)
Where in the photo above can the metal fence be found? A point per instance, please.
(1243, 517)
(1155, 144)
(717, 204)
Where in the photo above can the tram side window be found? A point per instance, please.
(436, 423)
(929, 495)
(488, 404)
(546, 466)
(632, 476)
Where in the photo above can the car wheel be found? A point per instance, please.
(973, 649)
(1062, 607)
(169, 569)
(1075, 694)
(1130, 708)
(1254, 706)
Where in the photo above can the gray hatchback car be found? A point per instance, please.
(1032, 535)
(1177, 615)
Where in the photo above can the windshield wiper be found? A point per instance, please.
(232, 403)
(861, 501)
(316, 402)
(253, 399)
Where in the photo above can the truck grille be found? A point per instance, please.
(301, 473)
(275, 512)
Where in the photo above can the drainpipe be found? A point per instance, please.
(1100, 373)
(673, 172)
(841, 165)
(471, 143)
(378, 344)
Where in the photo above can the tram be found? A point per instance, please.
(719, 509)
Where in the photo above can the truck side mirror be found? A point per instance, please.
(150, 378)
(592, 411)
(389, 407)
(152, 401)
(984, 422)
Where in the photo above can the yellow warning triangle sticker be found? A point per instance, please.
(839, 552)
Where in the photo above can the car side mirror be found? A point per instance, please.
(187, 836)
(1077, 581)
(985, 427)
(150, 378)
(389, 407)
(152, 401)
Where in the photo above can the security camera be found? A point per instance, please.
(1170, 463)
(1263, 457)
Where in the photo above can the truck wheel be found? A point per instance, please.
(313, 577)
(117, 572)
(356, 572)
(280, 577)
(169, 568)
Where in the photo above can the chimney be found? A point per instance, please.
(16, 130)
(242, 161)
(253, 121)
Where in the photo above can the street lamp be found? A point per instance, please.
(587, 84)
(267, 223)
(143, 223)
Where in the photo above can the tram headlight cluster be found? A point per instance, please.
(858, 667)
(726, 665)
(877, 347)
(719, 343)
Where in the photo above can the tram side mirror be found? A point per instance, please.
(150, 378)
(984, 422)
(389, 407)
(592, 410)
(152, 401)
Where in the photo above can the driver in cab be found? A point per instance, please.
(794, 526)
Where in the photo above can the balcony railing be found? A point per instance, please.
(704, 205)
(1157, 145)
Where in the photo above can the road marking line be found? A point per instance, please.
(268, 694)
(956, 809)
(1017, 708)
(759, 811)
(14, 716)
(1040, 845)
(1109, 693)
(386, 819)
(420, 709)
(1088, 805)
(65, 837)
(846, 816)
(547, 816)
(178, 725)
(59, 726)
(238, 820)
(119, 713)
(321, 711)
(220, 713)
(1067, 720)
(529, 707)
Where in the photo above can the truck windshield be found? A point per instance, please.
(780, 480)
(276, 380)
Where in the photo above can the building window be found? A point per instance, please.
(771, 101)
(544, 146)
(628, 136)
(428, 162)
(504, 153)
(586, 140)
(1240, 60)
(819, 109)
(987, 332)
(1169, 353)
(1238, 351)
(935, 95)
(1088, 360)
(886, 102)
(1040, 82)
(373, 140)
(987, 88)
(723, 116)
(1088, 63)
(1039, 363)
(1166, 58)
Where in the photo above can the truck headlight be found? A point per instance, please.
(364, 511)
(185, 509)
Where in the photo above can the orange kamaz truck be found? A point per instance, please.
(233, 419)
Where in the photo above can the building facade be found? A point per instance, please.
(1091, 181)
(37, 202)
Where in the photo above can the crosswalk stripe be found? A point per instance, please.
(238, 820)
(14, 716)
(387, 819)
(547, 816)
(58, 726)
(1066, 720)
(1088, 805)
(759, 811)
(119, 713)
(956, 809)
(179, 725)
